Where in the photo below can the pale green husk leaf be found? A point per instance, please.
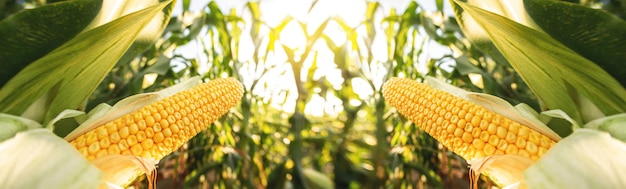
(98, 111)
(504, 170)
(63, 115)
(585, 159)
(121, 170)
(11, 125)
(561, 115)
(614, 125)
(39, 159)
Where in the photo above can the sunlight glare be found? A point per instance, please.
(292, 36)
(276, 84)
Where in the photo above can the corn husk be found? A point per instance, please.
(586, 159)
(614, 125)
(11, 125)
(39, 159)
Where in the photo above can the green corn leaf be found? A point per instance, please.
(476, 34)
(595, 34)
(559, 122)
(275, 33)
(350, 32)
(148, 34)
(39, 159)
(369, 20)
(76, 67)
(65, 114)
(11, 125)
(255, 11)
(614, 125)
(31, 34)
(410, 18)
(63, 128)
(216, 19)
(549, 68)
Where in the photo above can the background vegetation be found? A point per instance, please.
(312, 111)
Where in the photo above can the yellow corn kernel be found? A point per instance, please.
(471, 130)
(158, 129)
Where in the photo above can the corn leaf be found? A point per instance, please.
(112, 10)
(63, 128)
(561, 128)
(76, 67)
(372, 6)
(39, 159)
(255, 12)
(549, 68)
(513, 9)
(64, 114)
(31, 34)
(11, 125)
(595, 34)
(98, 111)
(614, 125)
(585, 159)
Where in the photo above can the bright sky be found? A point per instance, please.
(280, 79)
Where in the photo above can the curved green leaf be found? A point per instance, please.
(549, 68)
(148, 34)
(11, 125)
(31, 34)
(595, 34)
(40, 159)
(76, 67)
(255, 12)
(512, 9)
(614, 125)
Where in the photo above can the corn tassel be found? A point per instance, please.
(159, 128)
(465, 128)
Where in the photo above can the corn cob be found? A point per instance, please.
(465, 128)
(158, 129)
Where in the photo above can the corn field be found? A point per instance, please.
(310, 100)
